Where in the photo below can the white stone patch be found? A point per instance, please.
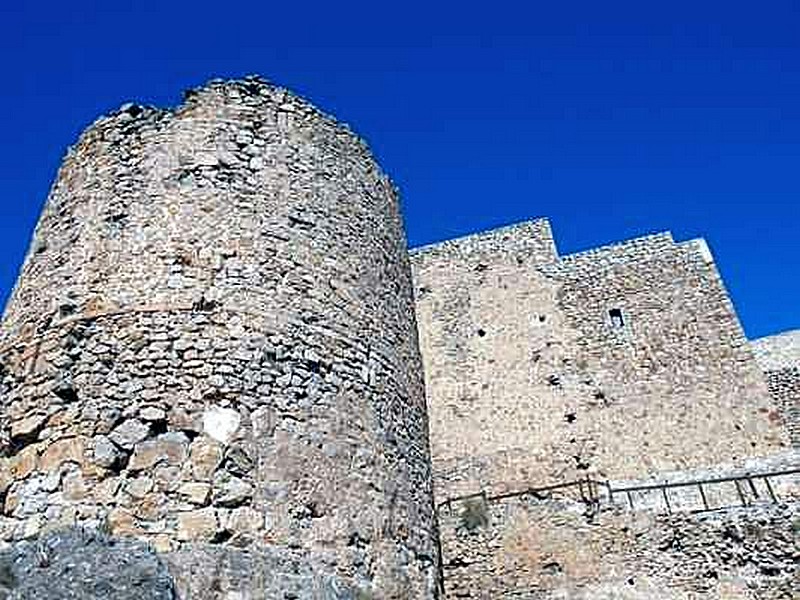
(221, 423)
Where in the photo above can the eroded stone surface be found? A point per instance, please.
(547, 549)
(204, 348)
(618, 362)
(83, 565)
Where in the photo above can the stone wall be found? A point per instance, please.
(779, 358)
(533, 549)
(623, 361)
(784, 385)
(480, 301)
(212, 345)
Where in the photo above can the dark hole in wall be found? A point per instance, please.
(222, 536)
(204, 305)
(134, 110)
(117, 220)
(457, 563)
(66, 391)
(475, 514)
(580, 464)
(570, 417)
(617, 320)
(67, 309)
(770, 570)
(357, 541)
(553, 567)
(190, 434)
(253, 88)
(19, 441)
(301, 223)
(158, 427)
(542, 318)
(481, 332)
(119, 465)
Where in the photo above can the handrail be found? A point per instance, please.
(744, 477)
(594, 497)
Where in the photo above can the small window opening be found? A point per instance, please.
(617, 321)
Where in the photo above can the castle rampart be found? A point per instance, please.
(618, 362)
(216, 346)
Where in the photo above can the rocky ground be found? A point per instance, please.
(84, 565)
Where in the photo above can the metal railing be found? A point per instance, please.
(738, 480)
(589, 490)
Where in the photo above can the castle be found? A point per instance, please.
(217, 343)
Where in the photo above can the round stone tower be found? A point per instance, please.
(212, 347)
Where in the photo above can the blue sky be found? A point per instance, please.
(613, 119)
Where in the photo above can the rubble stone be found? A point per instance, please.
(83, 564)
(130, 433)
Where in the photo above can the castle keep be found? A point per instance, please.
(219, 346)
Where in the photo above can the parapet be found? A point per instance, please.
(527, 239)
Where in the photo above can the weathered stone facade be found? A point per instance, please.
(618, 362)
(531, 549)
(622, 368)
(213, 349)
(779, 358)
(212, 343)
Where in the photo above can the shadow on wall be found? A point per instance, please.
(79, 563)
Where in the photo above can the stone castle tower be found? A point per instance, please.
(220, 349)
(212, 348)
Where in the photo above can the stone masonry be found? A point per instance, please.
(623, 366)
(224, 377)
(779, 358)
(618, 362)
(212, 348)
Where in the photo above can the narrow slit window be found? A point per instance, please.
(617, 320)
